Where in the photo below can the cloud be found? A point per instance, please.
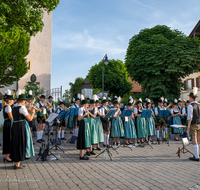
(85, 41)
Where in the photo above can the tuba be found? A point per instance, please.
(183, 104)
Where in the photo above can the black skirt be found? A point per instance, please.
(81, 136)
(7, 137)
(18, 141)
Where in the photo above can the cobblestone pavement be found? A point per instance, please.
(141, 168)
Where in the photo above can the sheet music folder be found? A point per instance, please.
(146, 113)
(73, 111)
(51, 117)
(126, 113)
(164, 113)
(110, 113)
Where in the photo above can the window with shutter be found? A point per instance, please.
(192, 83)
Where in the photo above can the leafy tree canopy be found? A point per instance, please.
(158, 58)
(26, 14)
(115, 77)
(14, 47)
(76, 87)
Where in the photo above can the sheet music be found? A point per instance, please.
(51, 117)
(178, 126)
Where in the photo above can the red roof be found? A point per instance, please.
(136, 86)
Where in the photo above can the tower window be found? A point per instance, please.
(29, 65)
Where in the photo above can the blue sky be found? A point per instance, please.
(85, 30)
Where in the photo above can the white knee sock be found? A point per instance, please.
(59, 134)
(63, 133)
(41, 133)
(38, 135)
(105, 139)
(107, 142)
(51, 129)
(163, 134)
(157, 133)
(166, 131)
(196, 151)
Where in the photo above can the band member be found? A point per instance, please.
(160, 121)
(105, 121)
(88, 100)
(110, 105)
(184, 114)
(99, 124)
(74, 124)
(150, 122)
(176, 113)
(52, 109)
(129, 127)
(7, 126)
(179, 104)
(29, 107)
(84, 136)
(140, 122)
(144, 104)
(165, 103)
(61, 122)
(117, 129)
(194, 122)
(41, 117)
(22, 145)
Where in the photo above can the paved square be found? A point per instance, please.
(141, 168)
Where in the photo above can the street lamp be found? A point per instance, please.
(105, 60)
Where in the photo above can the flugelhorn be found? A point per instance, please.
(183, 104)
(33, 107)
(169, 106)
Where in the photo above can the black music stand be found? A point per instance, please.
(110, 113)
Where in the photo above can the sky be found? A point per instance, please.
(85, 30)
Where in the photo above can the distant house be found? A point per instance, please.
(192, 80)
(136, 87)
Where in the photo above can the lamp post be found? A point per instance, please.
(105, 60)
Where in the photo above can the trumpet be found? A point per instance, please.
(33, 107)
(49, 105)
(66, 108)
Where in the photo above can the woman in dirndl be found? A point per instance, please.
(117, 129)
(22, 144)
(176, 120)
(150, 123)
(140, 122)
(129, 127)
(7, 126)
(84, 135)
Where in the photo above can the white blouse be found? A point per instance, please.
(80, 111)
(8, 109)
(22, 110)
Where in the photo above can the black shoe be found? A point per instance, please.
(117, 144)
(194, 159)
(39, 141)
(84, 158)
(92, 153)
(88, 153)
(42, 140)
(176, 139)
(46, 133)
(71, 132)
(98, 149)
(104, 145)
(63, 138)
(165, 140)
(92, 149)
(4, 159)
(17, 167)
(51, 133)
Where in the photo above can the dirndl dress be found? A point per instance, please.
(117, 129)
(150, 126)
(94, 131)
(100, 129)
(129, 129)
(177, 121)
(141, 127)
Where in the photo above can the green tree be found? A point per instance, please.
(34, 87)
(158, 58)
(14, 47)
(25, 14)
(67, 97)
(76, 87)
(115, 77)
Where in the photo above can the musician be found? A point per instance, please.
(61, 122)
(105, 122)
(51, 110)
(29, 107)
(176, 113)
(99, 124)
(41, 117)
(74, 125)
(84, 137)
(110, 105)
(71, 118)
(185, 112)
(165, 103)
(193, 118)
(150, 122)
(179, 104)
(88, 100)
(165, 106)
(7, 126)
(22, 145)
(117, 129)
(129, 127)
(161, 122)
(140, 122)
(144, 104)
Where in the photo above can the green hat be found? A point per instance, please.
(160, 101)
(175, 102)
(139, 101)
(104, 101)
(84, 102)
(115, 102)
(129, 104)
(50, 97)
(148, 103)
(30, 97)
(61, 103)
(188, 101)
(97, 101)
(8, 95)
(92, 101)
(42, 96)
(72, 102)
(179, 100)
(192, 95)
(22, 97)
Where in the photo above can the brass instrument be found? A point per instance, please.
(66, 108)
(169, 106)
(183, 104)
(49, 105)
(33, 107)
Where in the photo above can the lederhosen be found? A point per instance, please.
(105, 122)
(40, 116)
(160, 121)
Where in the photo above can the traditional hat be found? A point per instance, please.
(161, 100)
(175, 102)
(194, 93)
(148, 101)
(179, 100)
(50, 97)
(165, 101)
(95, 97)
(30, 95)
(21, 94)
(83, 100)
(139, 101)
(78, 97)
(91, 101)
(109, 99)
(61, 102)
(104, 100)
(73, 101)
(188, 101)
(88, 98)
(8, 95)
(130, 102)
(42, 96)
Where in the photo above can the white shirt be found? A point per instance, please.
(44, 109)
(190, 111)
(8, 109)
(59, 109)
(173, 110)
(117, 112)
(72, 106)
(52, 108)
(76, 105)
(22, 110)
(183, 111)
(80, 111)
(102, 110)
(156, 109)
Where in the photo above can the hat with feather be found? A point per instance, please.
(30, 95)
(8, 95)
(194, 93)
(21, 94)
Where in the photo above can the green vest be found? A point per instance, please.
(40, 114)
